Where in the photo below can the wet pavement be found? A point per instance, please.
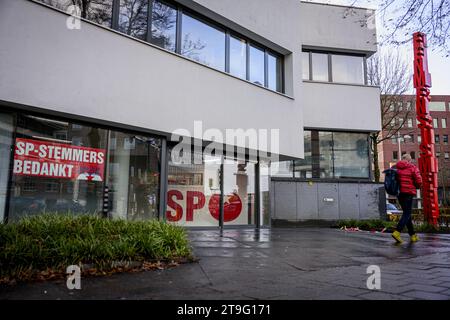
(302, 263)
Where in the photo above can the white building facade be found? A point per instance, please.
(88, 106)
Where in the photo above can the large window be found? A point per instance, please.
(319, 67)
(57, 168)
(347, 69)
(238, 57)
(256, 65)
(164, 25)
(329, 155)
(203, 43)
(339, 68)
(172, 27)
(64, 167)
(133, 176)
(133, 18)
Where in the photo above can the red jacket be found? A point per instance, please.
(408, 176)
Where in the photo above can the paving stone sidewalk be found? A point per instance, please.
(302, 263)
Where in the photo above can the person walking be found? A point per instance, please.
(409, 179)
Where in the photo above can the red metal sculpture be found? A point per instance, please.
(428, 165)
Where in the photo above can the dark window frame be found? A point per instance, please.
(330, 65)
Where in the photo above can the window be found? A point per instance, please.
(238, 57)
(305, 65)
(435, 123)
(347, 69)
(408, 106)
(446, 155)
(394, 139)
(411, 138)
(413, 155)
(273, 72)
(303, 168)
(410, 123)
(77, 190)
(436, 106)
(133, 18)
(419, 138)
(351, 155)
(438, 154)
(256, 66)
(325, 158)
(164, 20)
(320, 67)
(445, 139)
(436, 138)
(395, 155)
(171, 27)
(443, 123)
(203, 43)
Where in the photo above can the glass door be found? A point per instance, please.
(6, 129)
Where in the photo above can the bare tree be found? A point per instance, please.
(392, 74)
(404, 17)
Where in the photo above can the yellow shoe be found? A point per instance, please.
(396, 236)
(414, 238)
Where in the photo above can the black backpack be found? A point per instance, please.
(390, 182)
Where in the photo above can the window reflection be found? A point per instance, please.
(319, 67)
(164, 19)
(133, 18)
(203, 43)
(238, 57)
(273, 72)
(348, 69)
(256, 66)
(351, 155)
(305, 65)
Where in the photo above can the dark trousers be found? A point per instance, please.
(406, 219)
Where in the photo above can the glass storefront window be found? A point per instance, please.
(6, 130)
(303, 168)
(164, 19)
(193, 194)
(133, 179)
(239, 192)
(203, 43)
(351, 155)
(58, 167)
(133, 18)
(326, 154)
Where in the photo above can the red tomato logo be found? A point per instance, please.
(232, 207)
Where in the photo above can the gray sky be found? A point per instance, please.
(438, 64)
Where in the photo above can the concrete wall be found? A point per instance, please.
(104, 75)
(297, 201)
(342, 107)
(331, 26)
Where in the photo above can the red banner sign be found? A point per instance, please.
(57, 160)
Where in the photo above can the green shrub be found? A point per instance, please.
(53, 242)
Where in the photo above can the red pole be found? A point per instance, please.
(428, 164)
